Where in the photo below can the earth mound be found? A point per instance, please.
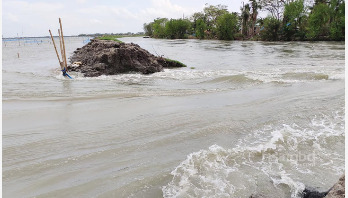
(107, 57)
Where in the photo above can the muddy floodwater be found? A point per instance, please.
(243, 118)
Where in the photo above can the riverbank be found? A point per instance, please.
(294, 21)
(255, 38)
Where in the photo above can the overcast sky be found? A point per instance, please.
(35, 17)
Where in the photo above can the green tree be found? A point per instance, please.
(294, 16)
(245, 19)
(319, 22)
(253, 17)
(271, 29)
(200, 28)
(148, 29)
(159, 27)
(195, 17)
(211, 14)
(275, 7)
(177, 28)
(288, 20)
(227, 26)
(337, 20)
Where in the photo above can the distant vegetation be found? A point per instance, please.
(128, 34)
(110, 37)
(288, 20)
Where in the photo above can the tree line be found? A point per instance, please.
(287, 20)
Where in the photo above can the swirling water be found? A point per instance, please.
(243, 118)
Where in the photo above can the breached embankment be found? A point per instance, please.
(337, 191)
(106, 57)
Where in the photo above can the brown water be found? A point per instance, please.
(249, 118)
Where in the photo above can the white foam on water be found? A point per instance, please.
(340, 76)
(265, 76)
(275, 160)
(298, 76)
(171, 74)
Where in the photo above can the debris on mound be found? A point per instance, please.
(107, 57)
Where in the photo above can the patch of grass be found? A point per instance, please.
(110, 37)
(115, 37)
(192, 68)
(175, 62)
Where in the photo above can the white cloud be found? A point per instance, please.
(31, 18)
(34, 7)
(95, 21)
(35, 17)
(12, 17)
(82, 16)
(123, 12)
(81, 1)
(165, 8)
(92, 10)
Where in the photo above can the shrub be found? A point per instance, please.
(318, 22)
(270, 29)
(177, 28)
(200, 28)
(227, 26)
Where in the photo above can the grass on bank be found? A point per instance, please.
(110, 38)
(175, 62)
(116, 37)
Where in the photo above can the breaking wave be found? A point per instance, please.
(236, 79)
(216, 77)
(277, 163)
(306, 76)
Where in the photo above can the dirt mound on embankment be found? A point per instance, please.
(105, 57)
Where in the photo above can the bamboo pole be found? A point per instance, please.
(61, 30)
(54, 44)
(62, 64)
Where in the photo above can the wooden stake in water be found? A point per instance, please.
(54, 44)
(62, 64)
(61, 31)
